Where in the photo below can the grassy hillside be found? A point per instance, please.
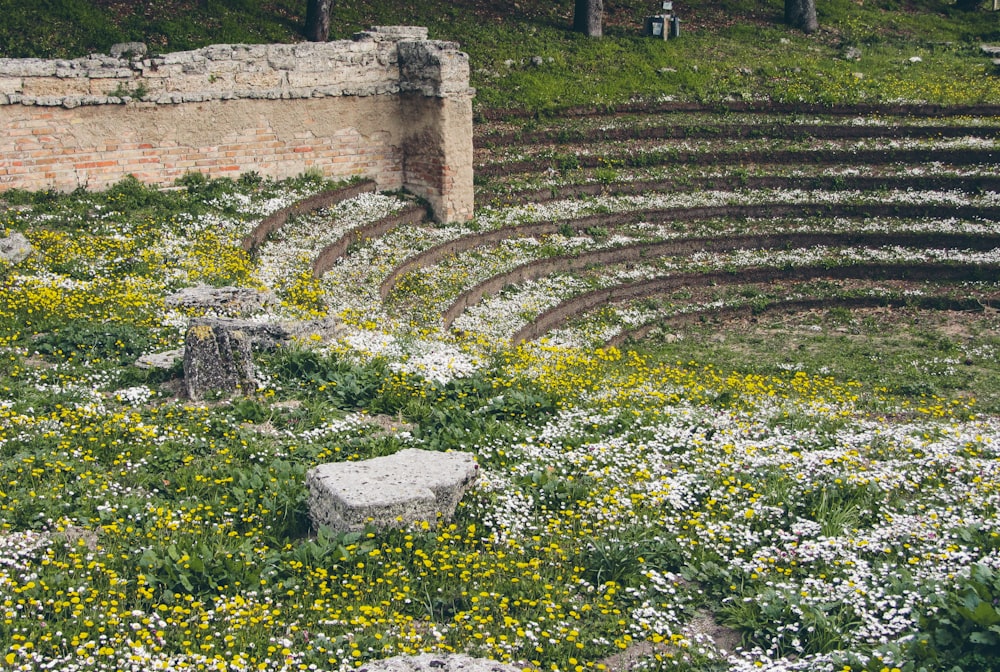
(729, 49)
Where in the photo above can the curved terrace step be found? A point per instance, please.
(968, 184)
(935, 302)
(494, 237)
(324, 199)
(414, 213)
(748, 131)
(646, 251)
(934, 272)
(925, 110)
(875, 157)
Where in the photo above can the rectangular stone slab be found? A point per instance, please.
(410, 486)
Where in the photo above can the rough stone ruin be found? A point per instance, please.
(390, 105)
(218, 351)
(217, 358)
(15, 248)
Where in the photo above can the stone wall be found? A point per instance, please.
(389, 105)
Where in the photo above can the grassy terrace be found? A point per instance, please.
(753, 424)
(732, 49)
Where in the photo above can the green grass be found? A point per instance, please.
(915, 355)
(739, 471)
(729, 50)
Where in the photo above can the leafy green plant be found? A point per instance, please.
(202, 188)
(203, 568)
(607, 170)
(330, 550)
(192, 180)
(623, 558)
(250, 180)
(328, 377)
(139, 92)
(961, 631)
(129, 194)
(522, 404)
(115, 342)
(554, 491)
(566, 161)
(820, 625)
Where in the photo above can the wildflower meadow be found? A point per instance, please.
(801, 490)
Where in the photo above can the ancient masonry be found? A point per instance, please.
(389, 105)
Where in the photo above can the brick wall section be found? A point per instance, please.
(389, 105)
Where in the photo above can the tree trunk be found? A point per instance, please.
(801, 14)
(318, 20)
(587, 16)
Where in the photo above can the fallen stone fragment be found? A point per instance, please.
(410, 486)
(268, 335)
(225, 300)
(433, 662)
(15, 248)
(160, 360)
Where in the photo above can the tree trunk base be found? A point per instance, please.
(587, 17)
(801, 14)
(318, 20)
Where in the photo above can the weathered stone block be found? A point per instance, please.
(227, 300)
(178, 57)
(218, 52)
(27, 67)
(217, 359)
(433, 68)
(260, 80)
(129, 50)
(311, 79)
(55, 86)
(15, 248)
(10, 84)
(411, 486)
